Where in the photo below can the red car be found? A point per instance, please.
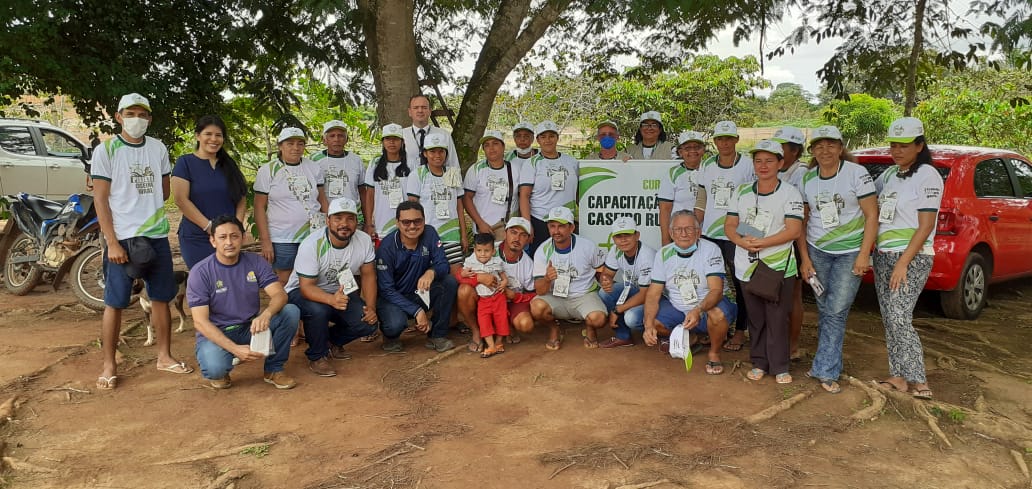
(984, 231)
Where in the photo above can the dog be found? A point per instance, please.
(180, 277)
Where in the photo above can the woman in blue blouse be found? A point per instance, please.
(206, 184)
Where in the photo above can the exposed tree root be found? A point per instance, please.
(7, 410)
(778, 408)
(1020, 460)
(225, 452)
(40, 371)
(877, 401)
(1003, 430)
(947, 344)
(228, 480)
(645, 485)
(24, 466)
(943, 358)
(933, 424)
(437, 358)
(965, 333)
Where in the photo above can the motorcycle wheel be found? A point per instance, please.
(21, 278)
(88, 278)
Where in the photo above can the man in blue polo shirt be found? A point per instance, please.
(223, 293)
(411, 261)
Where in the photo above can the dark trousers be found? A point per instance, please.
(316, 317)
(727, 250)
(540, 234)
(769, 330)
(393, 320)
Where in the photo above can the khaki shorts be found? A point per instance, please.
(574, 307)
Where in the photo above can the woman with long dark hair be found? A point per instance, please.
(206, 184)
(650, 142)
(909, 195)
(385, 183)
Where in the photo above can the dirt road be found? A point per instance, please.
(575, 418)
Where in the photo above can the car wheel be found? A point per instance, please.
(969, 297)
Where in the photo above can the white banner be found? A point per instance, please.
(608, 190)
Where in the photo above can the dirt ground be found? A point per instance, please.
(575, 418)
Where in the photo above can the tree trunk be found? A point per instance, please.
(503, 49)
(388, 28)
(910, 97)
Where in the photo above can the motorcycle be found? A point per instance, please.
(54, 238)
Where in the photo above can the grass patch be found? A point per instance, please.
(258, 451)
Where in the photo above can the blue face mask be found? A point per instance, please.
(607, 142)
(688, 250)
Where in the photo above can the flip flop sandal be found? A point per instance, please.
(889, 384)
(925, 394)
(178, 368)
(499, 347)
(107, 383)
(784, 378)
(590, 343)
(733, 347)
(831, 387)
(755, 374)
(488, 353)
(555, 345)
(714, 368)
(475, 346)
(513, 339)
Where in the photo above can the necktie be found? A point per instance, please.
(422, 140)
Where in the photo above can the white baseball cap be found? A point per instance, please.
(905, 130)
(342, 204)
(435, 140)
(519, 222)
(522, 126)
(769, 146)
(492, 135)
(608, 124)
(789, 134)
(560, 214)
(334, 124)
(689, 136)
(725, 128)
(392, 131)
(546, 126)
(290, 133)
(624, 225)
(133, 100)
(650, 116)
(825, 132)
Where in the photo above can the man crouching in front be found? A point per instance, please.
(223, 293)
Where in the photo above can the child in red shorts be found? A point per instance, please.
(492, 308)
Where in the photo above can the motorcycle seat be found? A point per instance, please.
(45, 209)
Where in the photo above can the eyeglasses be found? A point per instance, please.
(684, 230)
(607, 134)
(693, 148)
(649, 125)
(410, 222)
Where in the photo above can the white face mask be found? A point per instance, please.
(135, 127)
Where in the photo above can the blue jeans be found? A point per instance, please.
(161, 284)
(633, 318)
(393, 320)
(347, 324)
(840, 285)
(216, 362)
(671, 317)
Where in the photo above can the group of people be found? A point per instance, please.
(352, 251)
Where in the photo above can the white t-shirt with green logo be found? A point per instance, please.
(317, 258)
(844, 191)
(135, 171)
(490, 189)
(720, 183)
(677, 273)
(579, 262)
(440, 202)
(637, 272)
(767, 213)
(554, 183)
(293, 192)
(343, 174)
(387, 194)
(680, 187)
(921, 192)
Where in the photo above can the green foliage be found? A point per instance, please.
(693, 96)
(787, 105)
(975, 108)
(257, 451)
(863, 119)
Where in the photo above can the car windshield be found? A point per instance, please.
(876, 169)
